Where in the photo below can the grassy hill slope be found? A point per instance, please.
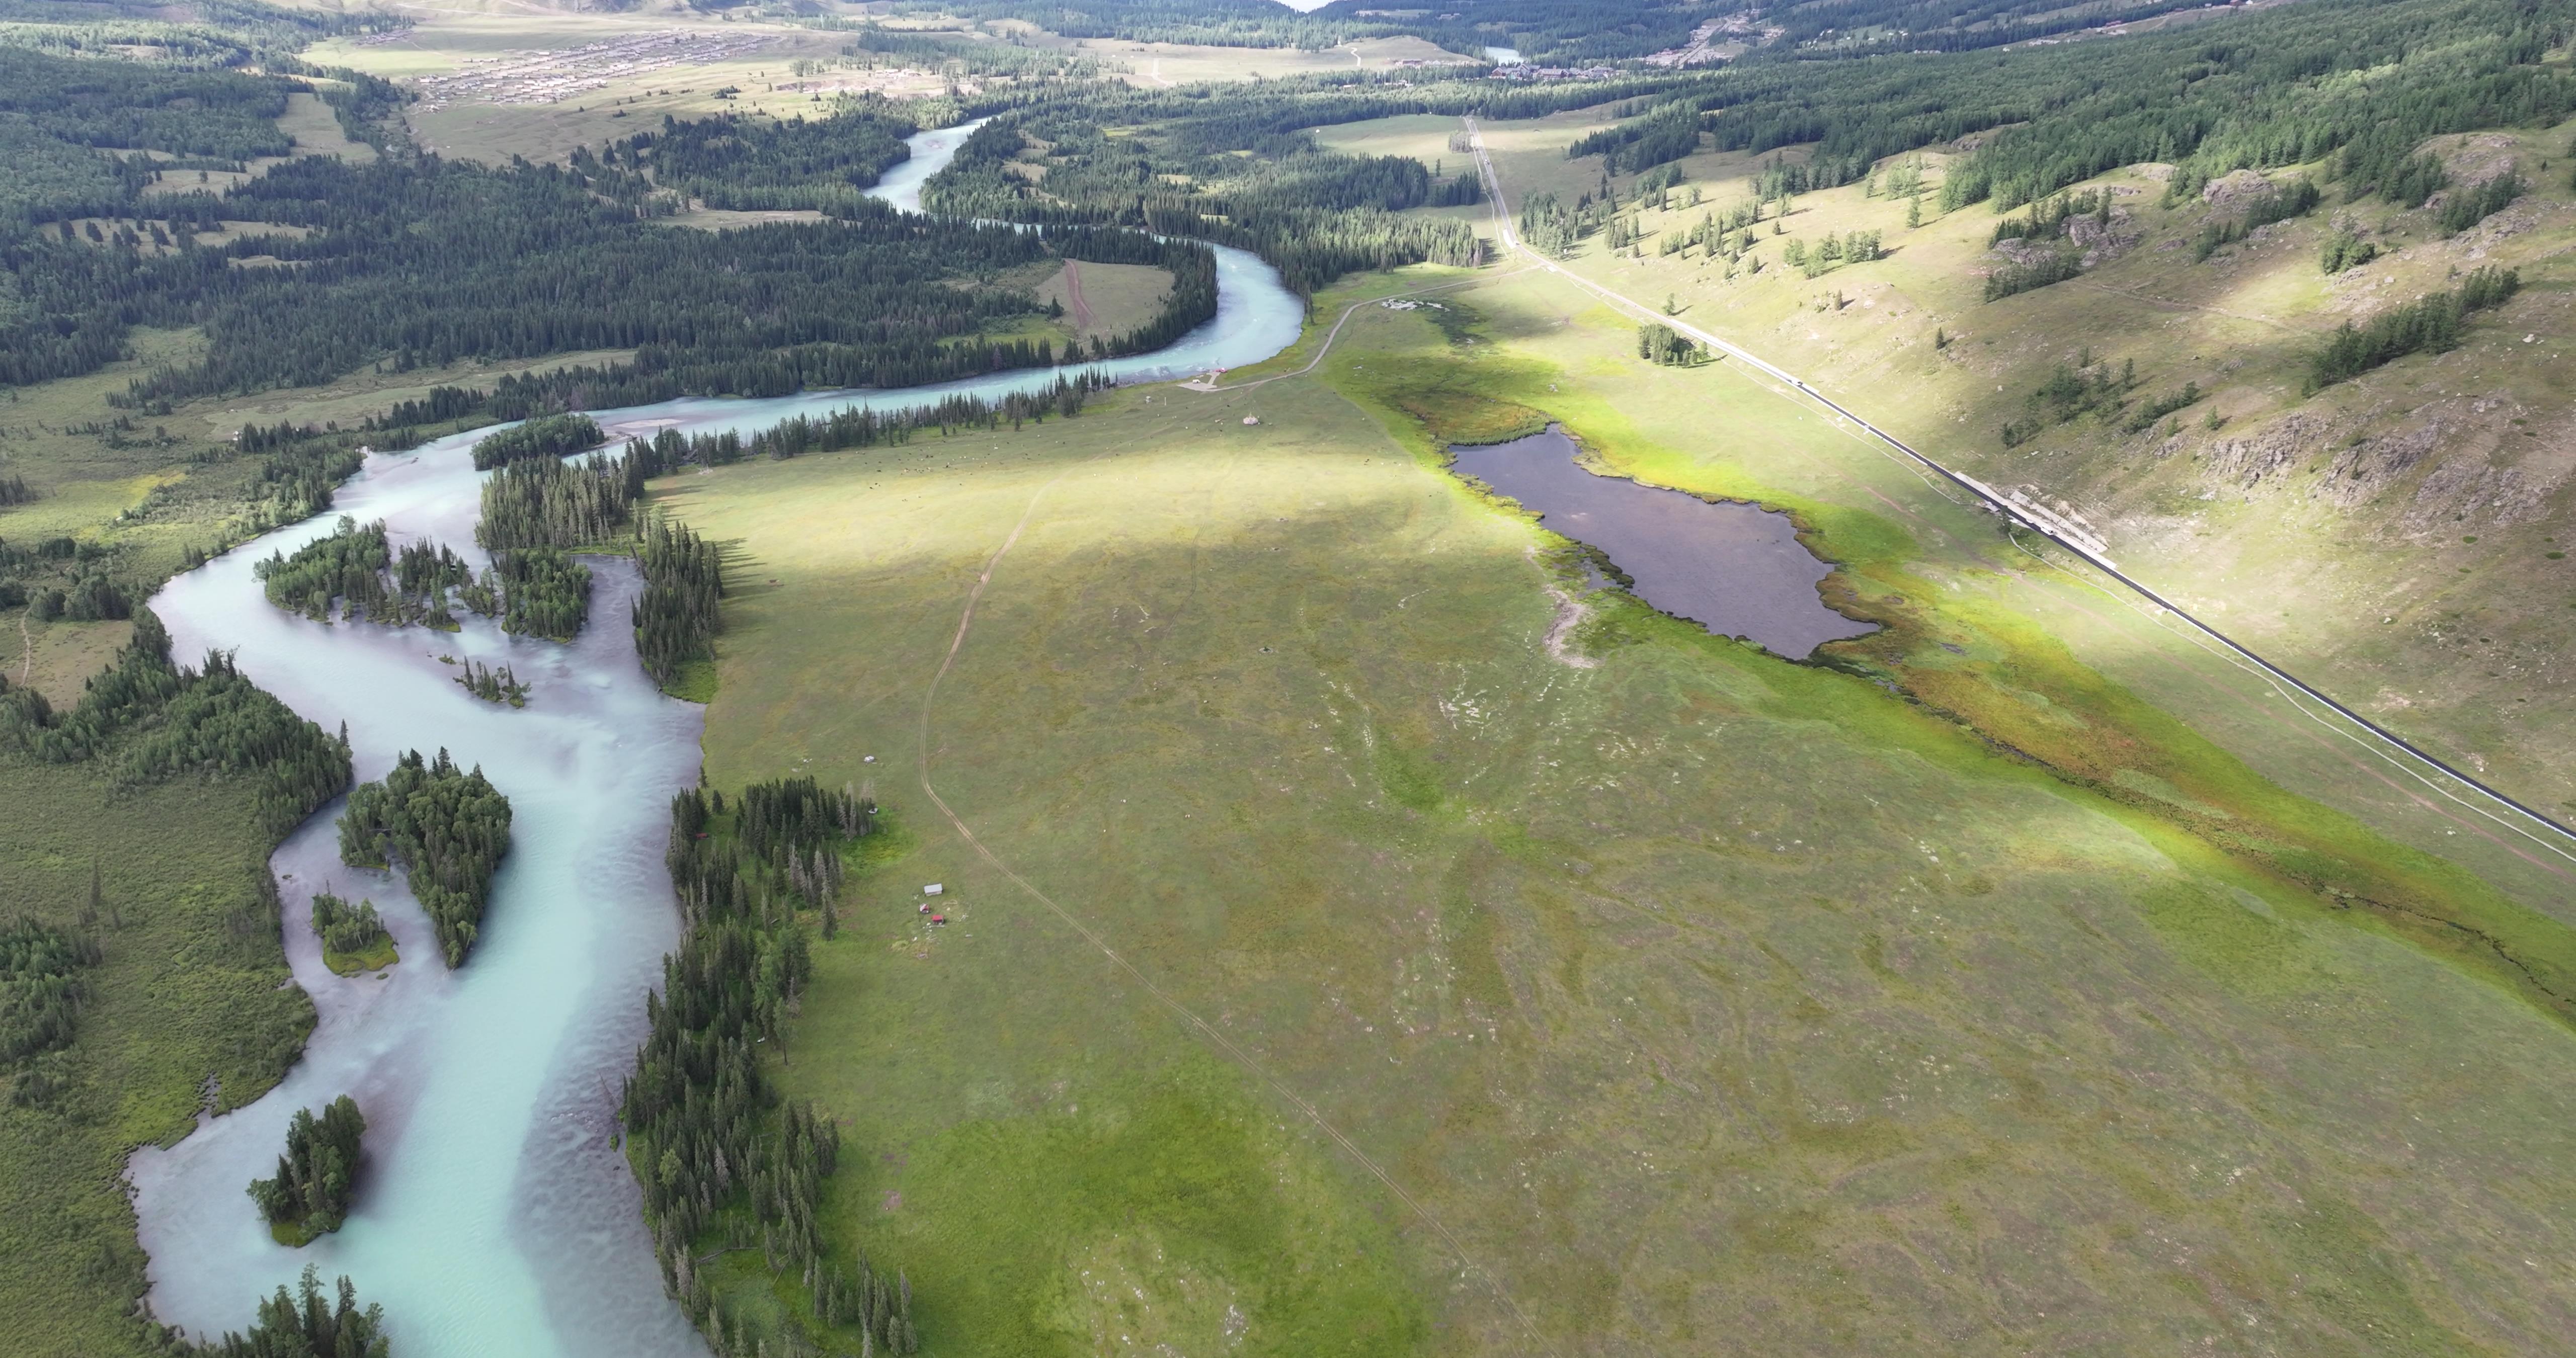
(2391, 537)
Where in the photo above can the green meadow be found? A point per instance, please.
(1331, 966)
(188, 1010)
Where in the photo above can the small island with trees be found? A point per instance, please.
(316, 1177)
(353, 937)
(446, 827)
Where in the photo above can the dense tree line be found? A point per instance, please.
(953, 53)
(2034, 271)
(1661, 345)
(2294, 199)
(161, 720)
(318, 1175)
(1667, 134)
(532, 512)
(62, 123)
(824, 164)
(1551, 226)
(2429, 324)
(309, 1324)
(432, 263)
(2048, 217)
(867, 427)
(2357, 86)
(445, 827)
(1850, 28)
(1314, 214)
(795, 823)
(679, 613)
(547, 436)
(549, 503)
(544, 593)
(412, 260)
(721, 1157)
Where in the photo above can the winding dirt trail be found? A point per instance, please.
(1074, 303)
(1187, 1016)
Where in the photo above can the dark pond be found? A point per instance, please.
(1736, 569)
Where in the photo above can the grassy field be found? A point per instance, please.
(544, 123)
(1106, 300)
(2398, 538)
(1332, 970)
(188, 1010)
(558, 95)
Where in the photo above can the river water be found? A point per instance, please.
(1736, 569)
(494, 1217)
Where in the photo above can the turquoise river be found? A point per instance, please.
(494, 1214)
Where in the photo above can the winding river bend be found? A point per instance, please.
(494, 1216)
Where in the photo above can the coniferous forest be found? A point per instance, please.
(41, 988)
(310, 1323)
(154, 721)
(445, 827)
(357, 569)
(677, 617)
(413, 260)
(316, 1176)
(724, 1159)
(547, 436)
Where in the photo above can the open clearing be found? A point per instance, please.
(498, 85)
(1467, 1001)
(1106, 299)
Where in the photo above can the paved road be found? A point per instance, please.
(2037, 519)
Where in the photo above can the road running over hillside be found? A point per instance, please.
(2013, 509)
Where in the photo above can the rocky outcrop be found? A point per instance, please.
(2273, 448)
(2361, 471)
(2234, 189)
(2103, 241)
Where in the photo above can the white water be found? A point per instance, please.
(493, 1215)
(1503, 56)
